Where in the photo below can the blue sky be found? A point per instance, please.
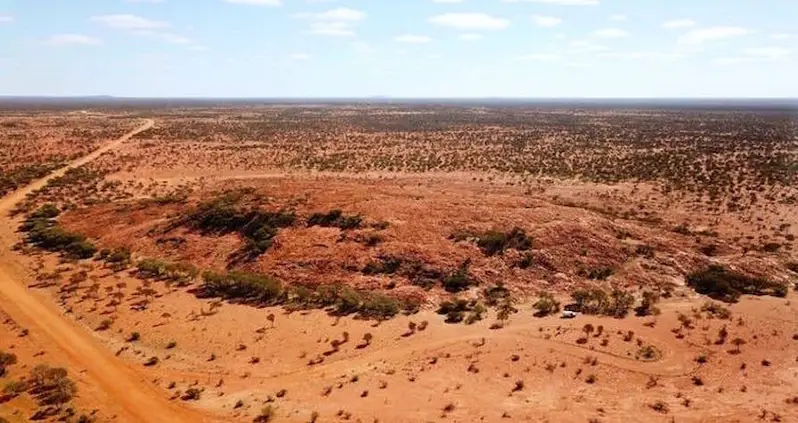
(400, 48)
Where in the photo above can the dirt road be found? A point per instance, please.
(138, 400)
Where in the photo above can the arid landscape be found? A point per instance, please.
(392, 262)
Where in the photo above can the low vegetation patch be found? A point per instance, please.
(460, 310)
(181, 274)
(726, 285)
(224, 215)
(260, 289)
(494, 242)
(48, 385)
(43, 231)
(12, 179)
(546, 304)
(335, 219)
(596, 301)
(421, 274)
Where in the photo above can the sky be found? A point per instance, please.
(400, 48)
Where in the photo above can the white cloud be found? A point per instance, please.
(71, 40)
(470, 21)
(174, 38)
(679, 23)
(300, 56)
(130, 22)
(715, 33)
(471, 36)
(558, 2)
(413, 39)
(618, 17)
(610, 33)
(586, 46)
(340, 14)
(333, 29)
(541, 57)
(546, 21)
(335, 22)
(6, 19)
(771, 53)
(256, 2)
(655, 56)
(362, 47)
(729, 60)
(143, 27)
(783, 36)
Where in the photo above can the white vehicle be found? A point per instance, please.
(567, 314)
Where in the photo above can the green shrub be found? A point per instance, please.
(546, 304)
(386, 265)
(455, 310)
(335, 218)
(118, 255)
(600, 274)
(496, 294)
(242, 286)
(590, 301)
(596, 301)
(43, 232)
(725, 285)
(647, 306)
(348, 301)
(16, 387)
(493, 242)
(151, 268)
(716, 310)
(47, 211)
(459, 280)
(379, 306)
(620, 303)
(180, 273)
(223, 216)
(6, 359)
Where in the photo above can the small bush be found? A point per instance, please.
(379, 306)
(6, 359)
(660, 407)
(335, 218)
(600, 274)
(716, 310)
(546, 304)
(191, 394)
(493, 242)
(47, 211)
(590, 301)
(266, 415)
(459, 280)
(647, 306)
(16, 387)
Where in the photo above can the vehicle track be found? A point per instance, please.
(138, 400)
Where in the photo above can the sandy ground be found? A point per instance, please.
(533, 369)
(123, 388)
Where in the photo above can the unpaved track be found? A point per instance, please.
(138, 400)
